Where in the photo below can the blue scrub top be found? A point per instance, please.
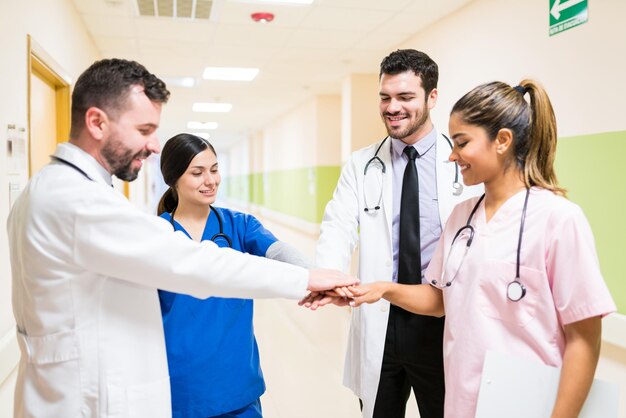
(212, 353)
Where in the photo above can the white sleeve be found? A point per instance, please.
(339, 229)
(113, 238)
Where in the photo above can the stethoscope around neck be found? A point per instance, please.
(215, 238)
(515, 290)
(375, 161)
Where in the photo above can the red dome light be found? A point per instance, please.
(262, 17)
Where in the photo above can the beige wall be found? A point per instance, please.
(306, 136)
(57, 28)
(582, 69)
(360, 121)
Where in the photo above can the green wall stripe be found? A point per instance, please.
(590, 168)
(302, 193)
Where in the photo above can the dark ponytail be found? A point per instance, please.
(175, 158)
(168, 202)
(496, 105)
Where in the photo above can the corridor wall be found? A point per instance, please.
(58, 29)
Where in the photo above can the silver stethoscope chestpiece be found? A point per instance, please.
(515, 291)
(457, 188)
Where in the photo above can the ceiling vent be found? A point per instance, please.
(187, 9)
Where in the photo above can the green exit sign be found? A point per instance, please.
(565, 14)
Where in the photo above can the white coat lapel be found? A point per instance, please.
(445, 178)
(385, 156)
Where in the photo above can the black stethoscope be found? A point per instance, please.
(72, 165)
(375, 161)
(515, 290)
(215, 238)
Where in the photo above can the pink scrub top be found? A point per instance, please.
(559, 268)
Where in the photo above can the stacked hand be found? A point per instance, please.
(354, 295)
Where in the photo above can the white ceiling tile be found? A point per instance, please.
(435, 7)
(120, 26)
(106, 8)
(345, 19)
(252, 35)
(118, 47)
(380, 39)
(331, 39)
(175, 29)
(388, 5)
(239, 56)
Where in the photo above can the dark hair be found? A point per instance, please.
(411, 60)
(175, 158)
(496, 105)
(106, 85)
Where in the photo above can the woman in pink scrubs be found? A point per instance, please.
(529, 284)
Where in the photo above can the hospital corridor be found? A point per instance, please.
(446, 175)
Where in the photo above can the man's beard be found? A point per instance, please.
(120, 159)
(411, 129)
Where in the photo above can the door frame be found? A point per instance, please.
(42, 65)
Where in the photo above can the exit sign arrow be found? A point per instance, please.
(558, 7)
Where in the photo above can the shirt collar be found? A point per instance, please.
(422, 146)
(75, 155)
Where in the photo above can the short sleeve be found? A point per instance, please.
(257, 238)
(578, 288)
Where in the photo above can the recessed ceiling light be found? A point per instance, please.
(201, 125)
(230, 73)
(179, 81)
(212, 107)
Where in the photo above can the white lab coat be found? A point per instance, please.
(86, 265)
(345, 225)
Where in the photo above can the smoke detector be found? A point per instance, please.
(262, 17)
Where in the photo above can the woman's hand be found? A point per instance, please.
(368, 293)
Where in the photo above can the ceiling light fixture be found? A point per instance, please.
(262, 17)
(212, 107)
(201, 125)
(179, 81)
(230, 73)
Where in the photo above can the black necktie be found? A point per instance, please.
(409, 255)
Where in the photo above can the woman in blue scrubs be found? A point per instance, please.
(212, 353)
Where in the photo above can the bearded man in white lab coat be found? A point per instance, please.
(391, 350)
(86, 263)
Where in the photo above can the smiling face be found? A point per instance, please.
(480, 159)
(132, 136)
(199, 183)
(404, 106)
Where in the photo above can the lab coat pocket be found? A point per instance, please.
(146, 400)
(52, 359)
(494, 302)
(48, 349)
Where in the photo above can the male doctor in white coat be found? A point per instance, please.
(391, 350)
(86, 263)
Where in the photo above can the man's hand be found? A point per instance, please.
(338, 296)
(324, 279)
